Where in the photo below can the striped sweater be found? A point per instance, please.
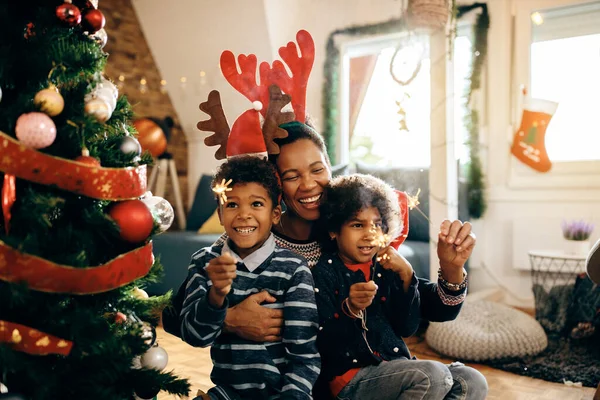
(286, 369)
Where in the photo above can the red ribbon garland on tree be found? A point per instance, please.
(31, 341)
(9, 195)
(46, 276)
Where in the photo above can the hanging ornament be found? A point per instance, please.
(102, 100)
(139, 293)
(36, 130)
(120, 318)
(9, 196)
(100, 37)
(162, 211)
(99, 109)
(93, 20)
(134, 220)
(148, 333)
(0, 94)
(3, 389)
(155, 358)
(130, 145)
(69, 14)
(529, 145)
(85, 158)
(429, 14)
(29, 30)
(49, 101)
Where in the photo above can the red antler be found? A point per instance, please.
(299, 65)
(244, 82)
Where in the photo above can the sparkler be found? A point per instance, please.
(413, 203)
(221, 190)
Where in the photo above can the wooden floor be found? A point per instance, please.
(195, 364)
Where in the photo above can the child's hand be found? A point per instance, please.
(221, 271)
(389, 258)
(362, 295)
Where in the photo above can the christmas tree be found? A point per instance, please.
(77, 222)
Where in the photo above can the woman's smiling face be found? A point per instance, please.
(304, 172)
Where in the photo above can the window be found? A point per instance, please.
(389, 124)
(564, 67)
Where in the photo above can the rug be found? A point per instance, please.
(565, 359)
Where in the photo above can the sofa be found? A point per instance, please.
(176, 247)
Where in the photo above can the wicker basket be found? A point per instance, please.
(429, 14)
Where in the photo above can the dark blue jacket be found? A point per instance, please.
(342, 341)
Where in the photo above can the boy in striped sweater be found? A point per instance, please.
(249, 262)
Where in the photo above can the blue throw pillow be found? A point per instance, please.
(204, 204)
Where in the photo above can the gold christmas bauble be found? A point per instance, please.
(139, 293)
(49, 101)
(99, 109)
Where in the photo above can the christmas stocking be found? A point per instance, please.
(529, 141)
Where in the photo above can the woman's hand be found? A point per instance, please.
(362, 295)
(250, 321)
(389, 258)
(455, 245)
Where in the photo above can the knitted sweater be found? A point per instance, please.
(286, 369)
(342, 341)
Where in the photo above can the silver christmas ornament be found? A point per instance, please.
(155, 358)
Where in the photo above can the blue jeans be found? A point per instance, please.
(405, 379)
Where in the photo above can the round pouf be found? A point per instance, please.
(487, 331)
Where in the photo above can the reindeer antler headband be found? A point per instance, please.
(246, 135)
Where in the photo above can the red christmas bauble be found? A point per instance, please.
(134, 219)
(91, 161)
(69, 14)
(93, 21)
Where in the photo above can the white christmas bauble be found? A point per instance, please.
(101, 37)
(155, 358)
(104, 94)
(0, 94)
(3, 389)
(99, 109)
(105, 84)
(162, 211)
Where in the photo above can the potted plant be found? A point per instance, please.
(577, 235)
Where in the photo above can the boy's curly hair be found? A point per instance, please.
(346, 196)
(250, 169)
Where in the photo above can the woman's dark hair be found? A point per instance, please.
(250, 169)
(297, 131)
(346, 196)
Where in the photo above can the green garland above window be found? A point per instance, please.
(476, 197)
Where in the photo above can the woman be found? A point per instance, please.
(305, 170)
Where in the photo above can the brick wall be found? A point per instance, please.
(130, 57)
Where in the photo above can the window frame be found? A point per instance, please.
(564, 174)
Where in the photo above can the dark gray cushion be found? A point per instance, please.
(339, 170)
(175, 249)
(204, 204)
